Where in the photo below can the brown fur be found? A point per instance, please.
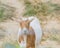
(31, 40)
(21, 38)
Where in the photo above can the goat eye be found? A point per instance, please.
(20, 23)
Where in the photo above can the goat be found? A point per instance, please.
(27, 36)
(27, 40)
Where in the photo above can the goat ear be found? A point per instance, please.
(29, 20)
(16, 19)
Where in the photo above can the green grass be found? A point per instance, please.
(55, 37)
(10, 45)
(6, 12)
(41, 8)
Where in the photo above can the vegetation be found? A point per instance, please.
(31, 9)
(6, 12)
(55, 37)
(41, 8)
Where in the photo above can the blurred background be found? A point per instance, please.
(47, 11)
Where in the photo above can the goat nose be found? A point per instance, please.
(24, 31)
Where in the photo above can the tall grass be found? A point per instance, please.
(6, 12)
(40, 8)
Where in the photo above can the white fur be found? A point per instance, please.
(38, 31)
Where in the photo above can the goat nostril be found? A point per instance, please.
(25, 31)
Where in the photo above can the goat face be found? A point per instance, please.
(25, 26)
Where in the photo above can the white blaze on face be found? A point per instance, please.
(24, 31)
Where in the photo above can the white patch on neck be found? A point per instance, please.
(23, 43)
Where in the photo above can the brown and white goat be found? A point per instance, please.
(27, 36)
(29, 33)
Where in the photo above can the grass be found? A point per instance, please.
(55, 37)
(6, 12)
(11, 45)
(40, 9)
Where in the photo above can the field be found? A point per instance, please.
(48, 13)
